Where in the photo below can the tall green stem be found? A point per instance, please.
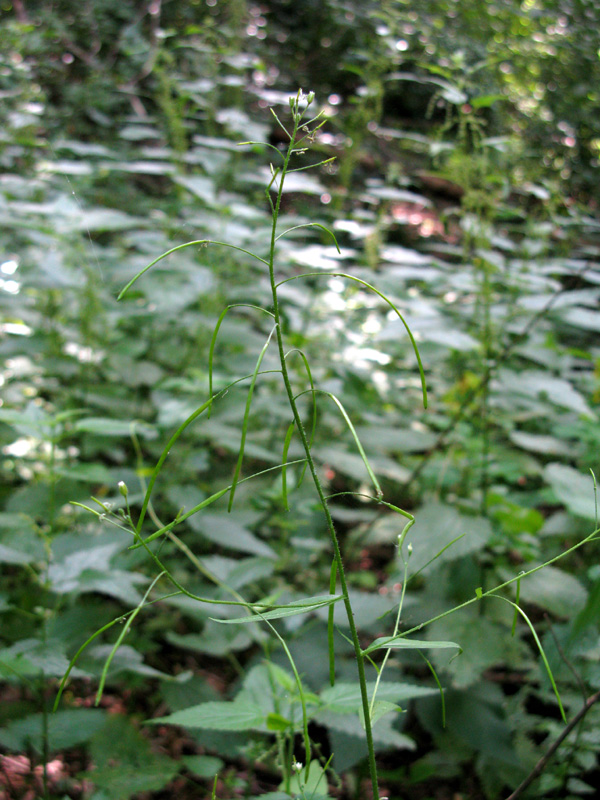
(297, 115)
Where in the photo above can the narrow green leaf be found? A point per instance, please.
(541, 651)
(280, 123)
(297, 607)
(439, 685)
(238, 466)
(286, 446)
(517, 602)
(314, 409)
(207, 501)
(124, 632)
(311, 225)
(198, 242)
(213, 339)
(400, 643)
(262, 144)
(330, 623)
(311, 166)
(359, 446)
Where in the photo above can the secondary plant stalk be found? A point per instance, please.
(297, 115)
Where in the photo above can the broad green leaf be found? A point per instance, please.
(272, 796)
(582, 318)
(304, 606)
(275, 722)
(367, 607)
(89, 473)
(437, 526)
(103, 426)
(484, 644)
(74, 575)
(33, 657)
(10, 556)
(574, 489)
(475, 718)
(487, 100)
(398, 195)
(554, 590)
(65, 729)
(395, 439)
(213, 641)
(125, 763)
(536, 443)
(102, 220)
(140, 167)
(384, 734)
(538, 385)
(226, 531)
(315, 786)
(344, 698)
(201, 187)
(203, 766)
(380, 708)
(31, 421)
(126, 659)
(232, 716)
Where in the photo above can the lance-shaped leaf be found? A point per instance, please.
(400, 643)
(303, 606)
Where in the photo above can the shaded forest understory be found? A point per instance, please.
(169, 574)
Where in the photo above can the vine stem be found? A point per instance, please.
(297, 117)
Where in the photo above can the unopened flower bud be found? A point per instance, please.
(310, 97)
(123, 488)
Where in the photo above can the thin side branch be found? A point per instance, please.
(543, 762)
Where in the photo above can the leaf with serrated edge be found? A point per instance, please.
(215, 716)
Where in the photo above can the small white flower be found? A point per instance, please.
(297, 766)
(410, 548)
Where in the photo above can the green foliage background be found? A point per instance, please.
(465, 186)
